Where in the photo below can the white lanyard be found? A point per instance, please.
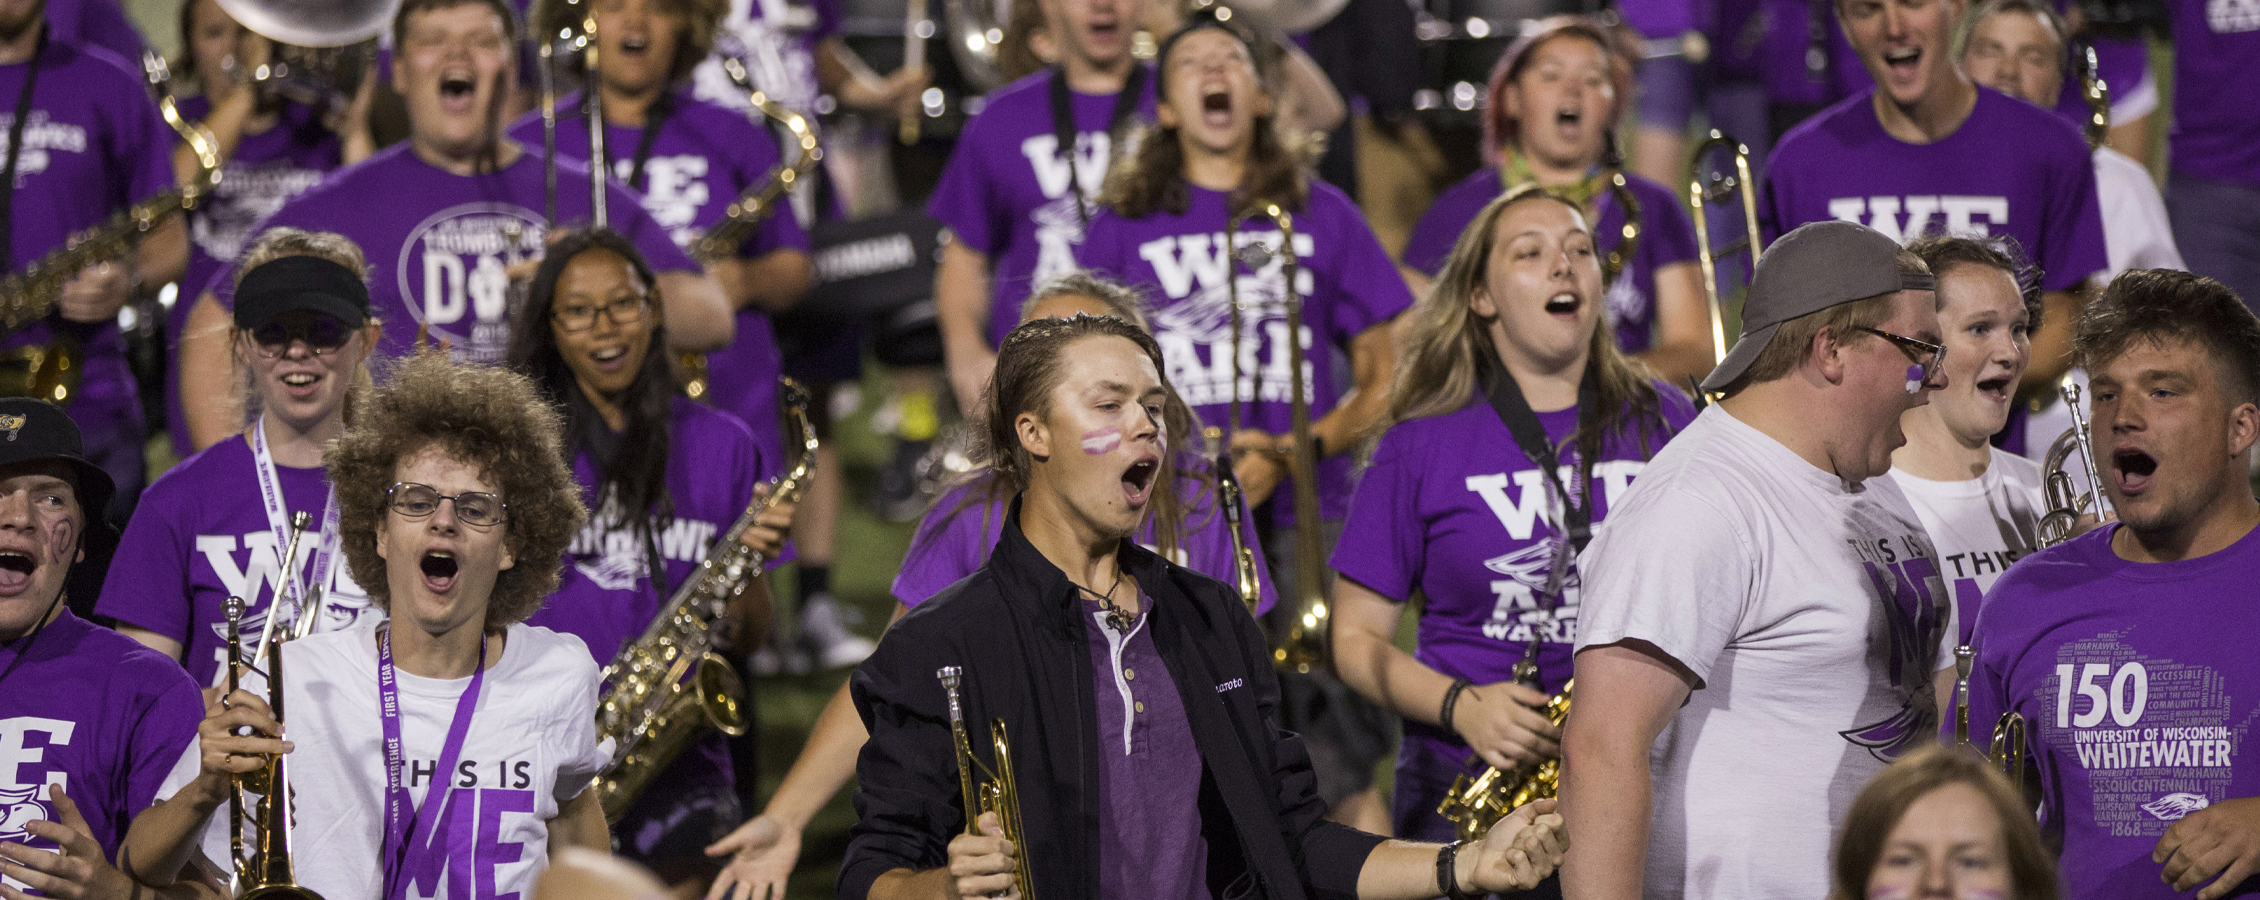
(278, 518)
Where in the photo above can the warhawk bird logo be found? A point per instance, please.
(19, 807)
(1206, 316)
(11, 425)
(2172, 807)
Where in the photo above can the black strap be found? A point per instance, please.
(1514, 411)
(1064, 130)
(15, 148)
(653, 120)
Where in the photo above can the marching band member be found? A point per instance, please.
(952, 542)
(1022, 184)
(445, 213)
(99, 147)
(1763, 609)
(688, 160)
(1566, 83)
(2124, 648)
(455, 502)
(665, 477)
(217, 525)
(1927, 150)
(1941, 825)
(2018, 47)
(1502, 361)
(273, 148)
(1980, 504)
(1214, 152)
(90, 721)
(2213, 174)
(1077, 638)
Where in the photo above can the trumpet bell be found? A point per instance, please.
(314, 23)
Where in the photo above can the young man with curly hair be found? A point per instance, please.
(455, 506)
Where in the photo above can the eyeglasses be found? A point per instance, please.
(417, 501)
(1921, 353)
(623, 312)
(323, 335)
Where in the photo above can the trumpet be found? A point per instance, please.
(2097, 128)
(1473, 805)
(264, 872)
(987, 790)
(1231, 503)
(2066, 502)
(1705, 187)
(1305, 644)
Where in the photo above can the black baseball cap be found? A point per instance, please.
(35, 431)
(301, 282)
(1819, 265)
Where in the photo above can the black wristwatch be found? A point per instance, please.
(1447, 872)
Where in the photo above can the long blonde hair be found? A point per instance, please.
(1448, 347)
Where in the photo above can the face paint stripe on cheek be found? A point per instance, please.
(1102, 441)
(1914, 379)
(1888, 892)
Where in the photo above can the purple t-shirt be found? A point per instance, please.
(1006, 190)
(956, 535)
(1667, 236)
(1149, 798)
(438, 243)
(1785, 42)
(2217, 44)
(200, 536)
(2012, 169)
(267, 169)
(702, 159)
(776, 40)
(99, 23)
(1347, 282)
(2139, 689)
(101, 715)
(1451, 508)
(93, 145)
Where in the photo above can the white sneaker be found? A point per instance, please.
(825, 633)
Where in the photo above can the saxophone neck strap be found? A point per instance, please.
(1064, 131)
(1514, 411)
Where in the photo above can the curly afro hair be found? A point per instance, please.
(491, 419)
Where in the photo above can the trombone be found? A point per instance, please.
(1306, 643)
(999, 793)
(263, 871)
(1709, 187)
(564, 38)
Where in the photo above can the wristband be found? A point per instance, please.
(1452, 699)
(1447, 872)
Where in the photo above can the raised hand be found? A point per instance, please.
(762, 853)
(77, 869)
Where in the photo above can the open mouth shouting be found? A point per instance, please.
(456, 90)
(635, 45)
(439, 568)
(2132, 469)
(16, 567)
(1902, 62)
(1569, 121)
(1138, 480)
(1216, 106)
(1995, 389)
(1565, 305)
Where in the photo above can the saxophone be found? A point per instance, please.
(263, 871)
(755, 205)
(1473, 805)
(1232, 504)
(51, 371)
(670, 684)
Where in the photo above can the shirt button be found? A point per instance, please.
(1129, 674)
(1141, 706)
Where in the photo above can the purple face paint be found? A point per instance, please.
(1888, 892)
(1914, 379)
(1102, 441)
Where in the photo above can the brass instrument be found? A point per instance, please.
(264, 871)
(1306, 644)
(2066, 503)
(1711, 187)
(1614, 264)
(321, 47)
(984, 789)
(975, 38)
(1473, 805)
(2097, 128)
(562, 35)
(916, 29)
(51, 372)
(1231, 503)
(670, 684)
(2008, 747)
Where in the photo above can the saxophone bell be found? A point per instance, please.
(983, 789)
(1475, 804)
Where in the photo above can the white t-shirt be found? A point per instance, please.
(1978, 526)
(531, 747)
(1808, 611)
(2136, 233)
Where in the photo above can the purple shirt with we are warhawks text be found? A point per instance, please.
(97, 713)
(2215, 136)
(955, 538)
(439, 244)
(702, 159)
(200, 536)
(1179, 262)
(2140, 692)
(2012, 169)
(93, 145)
(1451, 508)
(1667, 236)
(1007, 194)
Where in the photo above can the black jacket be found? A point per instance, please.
(1015, 627)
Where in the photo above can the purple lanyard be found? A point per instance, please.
(405, 823)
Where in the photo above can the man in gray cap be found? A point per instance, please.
(1760, 617)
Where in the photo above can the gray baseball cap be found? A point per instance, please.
(1819, 265)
